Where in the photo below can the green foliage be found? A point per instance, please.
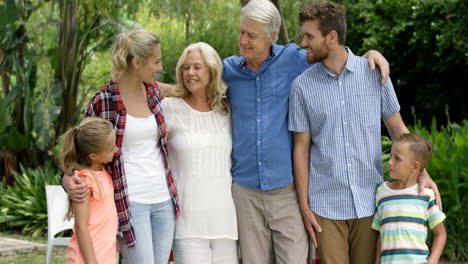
(449, 169)
(426, 43)
(23, 205)
(181, 22)
(386, 148)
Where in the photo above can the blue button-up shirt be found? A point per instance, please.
(262, 144)
(343, 114)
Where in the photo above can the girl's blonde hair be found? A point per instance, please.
(90, 136)
(216, 86)
(137, 43)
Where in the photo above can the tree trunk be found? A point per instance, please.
(9, 165)
(283, 37)
(67, 71)
(5, 76)
(188, 31)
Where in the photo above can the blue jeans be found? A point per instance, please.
(154, 230)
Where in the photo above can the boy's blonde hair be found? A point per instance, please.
(420, 147)
(90, 136)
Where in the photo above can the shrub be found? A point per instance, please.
(449, 170)
(23, 205)
(426, 43)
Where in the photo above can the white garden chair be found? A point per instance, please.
(57, 203)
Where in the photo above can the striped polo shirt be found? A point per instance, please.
(402, 218)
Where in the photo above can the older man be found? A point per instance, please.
(271, 229)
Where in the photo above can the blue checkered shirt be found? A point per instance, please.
(343, 115)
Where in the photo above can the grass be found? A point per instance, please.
(58, 253)
(35, 257)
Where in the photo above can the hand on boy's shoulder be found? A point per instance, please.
(430, 192)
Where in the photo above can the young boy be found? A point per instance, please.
(402, 216)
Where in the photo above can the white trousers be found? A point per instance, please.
(205, 251)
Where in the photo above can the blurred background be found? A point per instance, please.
(54, 57)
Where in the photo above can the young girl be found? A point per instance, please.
(86, 148)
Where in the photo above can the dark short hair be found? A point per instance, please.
(331, 16)
(420, 147)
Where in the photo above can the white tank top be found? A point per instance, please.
(143, 161)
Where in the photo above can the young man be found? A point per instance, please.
(402, 215)
(270, 224)
(335, 112)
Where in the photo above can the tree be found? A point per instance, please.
(86, 26)
(283, 37)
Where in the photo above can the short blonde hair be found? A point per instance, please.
(420, 147)
(216, 86)
(138, 43)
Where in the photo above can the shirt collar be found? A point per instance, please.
(114, 86)
(274, 50)
(350, 65)
(351, 61)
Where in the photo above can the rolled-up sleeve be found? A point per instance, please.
(390, 104)
(298, 117)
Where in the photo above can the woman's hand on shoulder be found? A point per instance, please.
(76, 187)
(165, 88)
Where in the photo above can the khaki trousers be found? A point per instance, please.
(271, 229)
(346, 241)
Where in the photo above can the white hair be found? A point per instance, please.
(265, 12)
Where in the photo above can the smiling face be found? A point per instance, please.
(402, 164)
(254, 43)
(195, 72)
(147, 68)
(313, 42)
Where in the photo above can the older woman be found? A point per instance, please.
(199, 131)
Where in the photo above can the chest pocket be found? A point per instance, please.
(280, 83)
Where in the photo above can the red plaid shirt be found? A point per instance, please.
(107, 104)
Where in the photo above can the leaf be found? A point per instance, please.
(9, 14)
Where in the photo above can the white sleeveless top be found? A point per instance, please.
(200, 147)
(143, 162)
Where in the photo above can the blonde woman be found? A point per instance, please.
(145, 195)
(199, 130)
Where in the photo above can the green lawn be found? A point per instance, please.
(36, 257)
(58, 256)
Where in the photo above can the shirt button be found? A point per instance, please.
(344, 123)
(349, 164)
(258, 120)
(342, 102)
(347, 144)
(258, 78)
(260, 163)
(340, 83)
(258, 99)
(258, 142)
